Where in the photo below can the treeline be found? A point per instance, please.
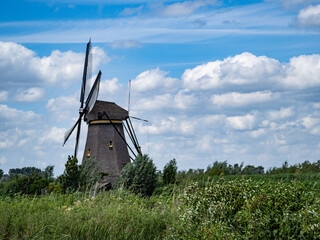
(305, 167)
(27, 180)
(223, 168)
(140, 177)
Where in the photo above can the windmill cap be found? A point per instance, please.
(114, 111)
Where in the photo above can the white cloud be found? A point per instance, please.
(65, 108)
(56, 104)
(241, 122)
(281, 114)
(30, 95)
(16, 117)
(109, 86)
(309, 17)
(54, 135)
(3, 96)
(236, 99)
(241, 69)
(166, 101)
(155, 103)
(261, 72)
(257, 133)
(152, 79)
(302, 72)
(23, 67)
(309, 122)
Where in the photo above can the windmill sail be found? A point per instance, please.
(93, 95)
(69, 132)
(85, 73)
(89, 75)
(90, 96)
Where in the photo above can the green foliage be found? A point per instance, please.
(70, 179)
(48, 173)
(89, 172)
(140, 176)
(240, 208)
(222, 168)
(247, 209)
(23, 171)
(111, 215)
(170, 172)
(305, 167)
(1, 173)
(24, 184)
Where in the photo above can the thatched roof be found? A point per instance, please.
(113, 110)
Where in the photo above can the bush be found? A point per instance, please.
(140, 176)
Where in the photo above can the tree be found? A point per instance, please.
(23, 171)
(71, 177)
(1, 173)
(140, 176)
(170, 172)
(48, 173)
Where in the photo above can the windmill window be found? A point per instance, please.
(110, 145)
(89, 153)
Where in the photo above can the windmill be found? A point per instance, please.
(106, 142)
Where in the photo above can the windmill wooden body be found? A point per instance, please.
(106, 144)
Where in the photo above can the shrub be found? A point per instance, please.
(140, 176)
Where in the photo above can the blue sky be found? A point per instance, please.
(217, 80)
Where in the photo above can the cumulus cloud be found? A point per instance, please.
(302, 72)
(241, 122)
(3, 96)
(14, 117)
(30, 95)
(257, 133)
(53, 135)
(23, 67)
(152, 79)
(281, 114)
(166, 101)
(236, 99)
(171, 125)
(309, 122)
(109, 86)
(309, 17)
(249, 70)
(243, 69)
(65, 102)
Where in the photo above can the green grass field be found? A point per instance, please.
(230, 207)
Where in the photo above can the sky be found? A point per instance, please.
(218, 80)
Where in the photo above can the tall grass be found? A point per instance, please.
(237, 207)
(113, 215)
